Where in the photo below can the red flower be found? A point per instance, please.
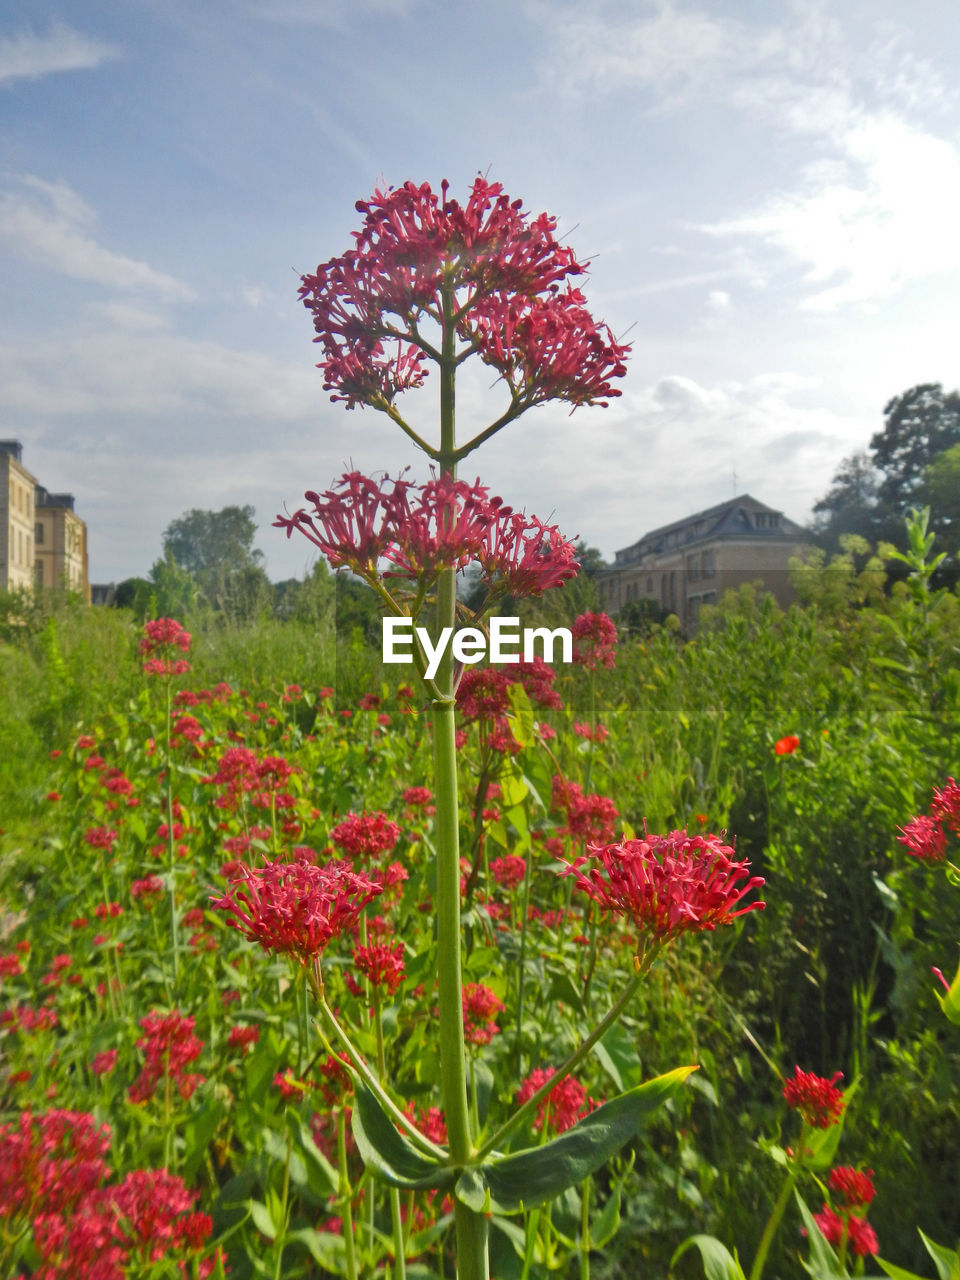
(243, 1037)
(296, 907)
(667, 884)
(924, 838)
(417, 797)
(589, 817)
(480, 1007)
(945, 805)
(163, 634)
(854, 1185)
(818, 1101)
(380, 964)
(168, 1046)
(365, 834)
(595, 640)
(505, 272)
(509, 870)
(563, 1106)
(860, 1236)
(103, 1063)
(787, 746)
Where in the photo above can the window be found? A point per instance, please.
(38, 533)
(706, 564)
(692, 570)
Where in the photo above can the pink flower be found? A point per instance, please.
(169, 1046)
(480, 1007)
(509, 870)
(945, 805)
(381, 965)
(924, 838)
(818, 1101)
(296, 907)
(564, 1105)
(243, 1037)
(667, 884)
(860, 1236)
(103, 1063)
(505, 271)
(594, 641)
(854, 1185)
(365, 834)
(163, 634)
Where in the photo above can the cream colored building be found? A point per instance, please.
(60, 544)
(17, 488)
(689, 563)
(43, 542)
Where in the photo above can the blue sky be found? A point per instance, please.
(769, 195)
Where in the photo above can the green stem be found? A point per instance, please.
(397, 1220)
(773, 1222)
(285, 1198)
(585, 1228)
(373, 1084)
(522, 966)
(343, 1192)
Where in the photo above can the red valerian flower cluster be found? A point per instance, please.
(563, 1106)
(381, 965)
(495, 274)
(856, 1190)
(169, 1046)
(480, 1007)
(423, 529)
(364, 835)
(589, 816)
(667, 884)
(162, 638)
(925, 836)
(296, 907)
(52, 1179)
(594, 641)
(817, 1101)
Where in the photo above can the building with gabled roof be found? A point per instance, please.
(691, 562)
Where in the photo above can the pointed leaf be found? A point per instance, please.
(947, 1260)
(320, 1173)
(262, 1218)
(387, 1153)
(897, 1273)
(821, 1144)
(823, 1261)
(718, 1262)
(950, 1003)
(527, 1178)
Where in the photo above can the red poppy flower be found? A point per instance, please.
(787, 746)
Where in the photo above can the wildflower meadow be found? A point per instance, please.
(634, 965)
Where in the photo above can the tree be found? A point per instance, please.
(850, 505)
(920, 424)
(217, 548)
(941, 491)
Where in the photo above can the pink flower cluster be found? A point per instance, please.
(423, 529)
(296, 907)
(52, 1178)
(505, 271)
(381, 965)
(856, 1190)
(364, 835)
(480, 1007)
(589, 816)
(926, 835)
(667, 884)
(594, 641)
(169, 1046)
(564, 1105)
(161, 638)
(817, 1101)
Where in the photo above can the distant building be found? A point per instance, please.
(689, 563)
(17, 487)
(43, 542)
(60, 544)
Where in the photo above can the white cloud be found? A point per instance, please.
(718, 300)
(50, 223)
(866, 226)
(28, 56)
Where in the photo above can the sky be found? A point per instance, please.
(769, 197)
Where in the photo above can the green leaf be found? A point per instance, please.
(521, 726)
(896, 1272)
(823, 1261)
(262, 1219)
(607, 1224)
(321, 1175)
(387, 1153)
(947, 1260)
(327, 1249)
(950, 1004)
(718, 1262)
(537, 1175)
